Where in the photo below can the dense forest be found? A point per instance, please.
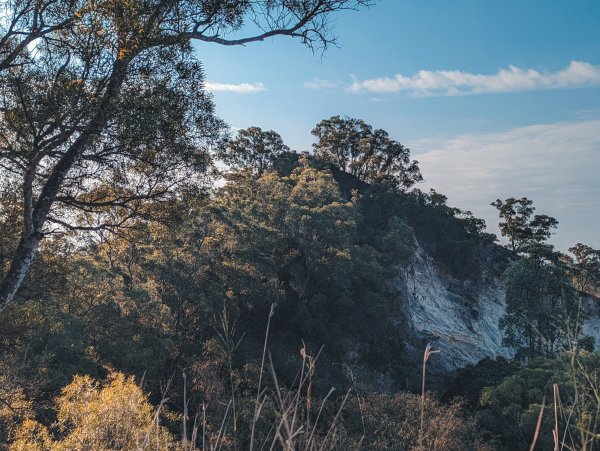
(169, 284)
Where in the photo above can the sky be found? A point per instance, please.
(495, 98)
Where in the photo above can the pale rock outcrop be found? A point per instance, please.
(460, 318)
(591, 326)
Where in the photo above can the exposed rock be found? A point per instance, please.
(460, 318)
(591, 326)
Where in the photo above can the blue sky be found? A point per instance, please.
(494, 98)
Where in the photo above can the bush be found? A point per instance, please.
(392, 422)
(115, 414)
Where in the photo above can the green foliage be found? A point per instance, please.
(148, 300)
(518, 225)
(10, 219)
(396, 241)
(543, 309)
(510, 398)
(327, 283)
(454, 238)
(543, 313)
(253, 150)
(369, 155)
(468, 383)
(585, 267)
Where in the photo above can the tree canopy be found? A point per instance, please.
(98, 91)
(543, 310)
(252, 149)
(586, 267)
(370, 155)
(518, 225)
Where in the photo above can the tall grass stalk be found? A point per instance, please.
(259, 403)
(538, 425)
(222, 428)
(185, 410)
(156, 418)
(555, 431)
(293, 429)
(227, 337)
(428, 352)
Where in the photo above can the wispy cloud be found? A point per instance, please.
(590, 113)
(454, 82)
(319, 83)
(239, 88)
(555, 165)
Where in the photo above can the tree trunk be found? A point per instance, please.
(30, 239)
(18, 268)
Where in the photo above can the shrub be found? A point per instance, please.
(115, 414)
(392, 422)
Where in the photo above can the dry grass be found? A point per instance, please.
(116, 415)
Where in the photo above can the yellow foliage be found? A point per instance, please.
(91, 415)
(31, 436)
(14, 407)
(123, 53)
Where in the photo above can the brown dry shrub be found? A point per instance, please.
(392, 423)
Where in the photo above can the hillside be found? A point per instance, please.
(294, 276)
(173, 277)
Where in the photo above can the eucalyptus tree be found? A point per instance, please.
(253, 149)
(518, 224)
(370, 155)
(102, 103)
(543, 312)
(586, 267)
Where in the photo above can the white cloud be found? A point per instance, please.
(318, 83)
(240, 88)
(555, 165)
(454, 82)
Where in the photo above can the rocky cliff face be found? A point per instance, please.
(591, 326)
(460, 318)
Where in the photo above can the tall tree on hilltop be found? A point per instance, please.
(103, 103)
(586, 267)
(370, 155)
(517, 224)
